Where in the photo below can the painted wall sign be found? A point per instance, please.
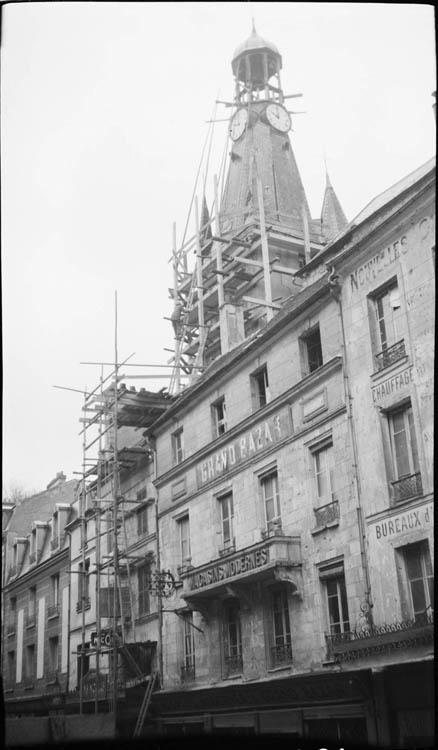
(370, 270)
(252, 442)
(392, 385)
(229, 569)
(378, 263)
(411, 519)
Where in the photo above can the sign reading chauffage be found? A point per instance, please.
(252, 442)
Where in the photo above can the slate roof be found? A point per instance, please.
(40, 507)
(333, 219)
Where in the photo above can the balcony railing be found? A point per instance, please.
(9, 685)
(83, 604)
(377, 639)
(53, 610)
(327, 514)
(188, 673)
(391, 354)
(274, 529)
(10, 627)
(233, 665)
(28, 682)
(227, 549)
(407, 487)
(12, 571)
(30, 621)
(281, 654)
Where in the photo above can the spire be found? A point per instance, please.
(333, 218)
(205, 227)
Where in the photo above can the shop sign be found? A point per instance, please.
(106, 638)
(230, 569)
(392, 385)
(412, 519)
(252, 442)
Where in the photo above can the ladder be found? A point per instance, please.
(145, 705)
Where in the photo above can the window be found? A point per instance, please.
(188, 667)
(12, 619)
(178, 446)
(260, 387)
(11, 667)
(31, 606)
(271, 500)
(419, 574)
(143, 520)
(390, 342)
(324, 472)
(406, 466)
(53, 653)
(227, 514)
(312, 350)
(184, 539)
(333, 578)
(141, 495)
(143, 578)
(219, 417)
(281, 649)
(54, 596)
(232, 639)
(29, 663)
(83, 586)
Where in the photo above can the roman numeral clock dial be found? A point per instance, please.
(278, 117)
(238, 124)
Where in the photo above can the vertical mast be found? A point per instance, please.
(115, 499)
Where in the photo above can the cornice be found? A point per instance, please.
(40, 568)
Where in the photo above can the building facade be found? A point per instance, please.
(294, 475)
(36, 615)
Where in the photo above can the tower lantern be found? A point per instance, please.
(255, 62)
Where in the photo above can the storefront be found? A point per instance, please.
(333, 708)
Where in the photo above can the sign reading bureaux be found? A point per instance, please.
(254, 441)
(236, 566)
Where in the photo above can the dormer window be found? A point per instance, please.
(33, 546)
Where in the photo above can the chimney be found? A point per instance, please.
(59, 479)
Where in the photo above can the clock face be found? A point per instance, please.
(238, 124)
(278, 117)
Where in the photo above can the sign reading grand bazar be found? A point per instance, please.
(253, 442)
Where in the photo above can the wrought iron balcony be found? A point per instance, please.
(9, 685)
(10, 627)
(274, 529)
(83, 604)
(233, 665)
(188, 673)
(31, 620)
(407, 487)
(228, 548)
(29, 682)
(281, 654)
(358, 644)
(53, 610)
(327, 514)
(390, 355)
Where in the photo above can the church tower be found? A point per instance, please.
(261, 233)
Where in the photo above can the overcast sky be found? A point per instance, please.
(104, 109)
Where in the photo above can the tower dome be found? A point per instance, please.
(255, 61)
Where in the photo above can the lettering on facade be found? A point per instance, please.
(230, 569)
(392, 384)
(378, 263)
(412, 519)
(254, 441)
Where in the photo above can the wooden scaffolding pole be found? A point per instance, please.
(265, 252)
(220, 278)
